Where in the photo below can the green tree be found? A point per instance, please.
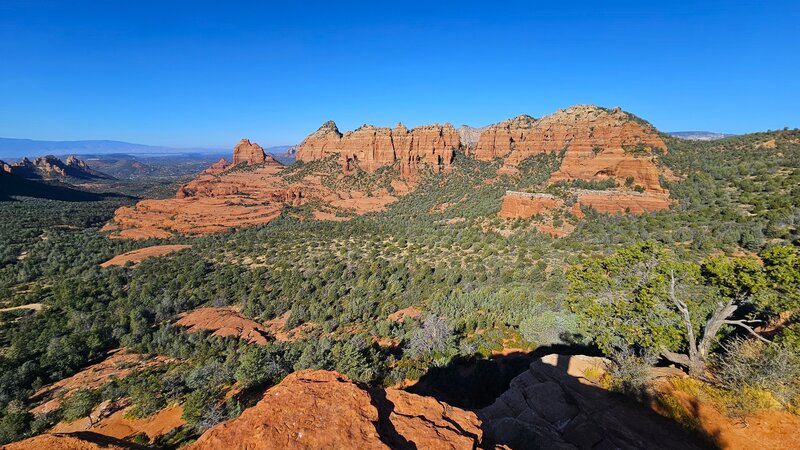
(643, 296)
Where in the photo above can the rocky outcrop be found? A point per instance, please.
(248, 152)
(50, 167)
(320, 409)
(557, 405)
(615, 202)
(72, 441)
(218, 167)
(469, 136)
(599, 143)
(226, 321)
(497, 141)
(224, 197)
(523, 205)
(369, 148)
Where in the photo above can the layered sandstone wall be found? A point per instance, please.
(613, 202)
(524, 205)
(600, 143)
(370, 148)
(248, 152)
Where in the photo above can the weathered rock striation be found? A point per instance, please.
(320, 409)
(599, 143)
(72, 441)
(523, 205)
(617, 202)
(225, 197)
(248, 152)
(369, 148)
(555, 405)
(50, 167)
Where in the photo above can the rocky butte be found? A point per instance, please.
(595, 144)
(248, 152)
(369, 148)
(50, 167)
(598, 143)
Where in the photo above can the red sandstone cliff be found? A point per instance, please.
(369, 147)
(600, 143)
(248, 152)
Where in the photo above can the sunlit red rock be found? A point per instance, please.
(319, 409)
(369, 148)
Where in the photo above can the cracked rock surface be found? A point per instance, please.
(555, 405)
(313, 409)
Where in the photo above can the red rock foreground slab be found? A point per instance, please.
(320, 409)
(71, 441)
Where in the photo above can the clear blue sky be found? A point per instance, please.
(207, 73)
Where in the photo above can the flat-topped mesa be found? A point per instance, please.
(248, 152)
(370, 147)
(600, 143)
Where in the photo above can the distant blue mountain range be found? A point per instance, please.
(16, 148)
(699, 135)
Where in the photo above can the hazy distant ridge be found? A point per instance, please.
(699, 135)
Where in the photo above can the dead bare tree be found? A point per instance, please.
(696, 358)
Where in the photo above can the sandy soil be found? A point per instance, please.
(275, 327)
(118, 426)
(137, 256)
(33, 306)
(764, 430)
(401, 314)
(226, 321)
(118, 364)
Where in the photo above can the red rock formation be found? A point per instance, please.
(218, 167)
(248, 152)
(220, 200)
(614, 202)
(599, 143)
(226, 321)
(319, 409)
(369, 147)
(555, 405)
(497, 141)
(84, 440)
(525, 205)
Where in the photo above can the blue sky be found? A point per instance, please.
(206, 73)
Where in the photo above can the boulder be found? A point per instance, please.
(321, 409)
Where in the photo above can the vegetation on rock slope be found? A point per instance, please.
(481, 283)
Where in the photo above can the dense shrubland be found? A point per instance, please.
(477, 290)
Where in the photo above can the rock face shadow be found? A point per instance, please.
(551, 404)
(475, 383)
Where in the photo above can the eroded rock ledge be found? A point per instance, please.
(555, 405)
(320, 409)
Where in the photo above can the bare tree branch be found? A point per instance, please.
(741, 323)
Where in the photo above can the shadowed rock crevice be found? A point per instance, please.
(384, 426)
